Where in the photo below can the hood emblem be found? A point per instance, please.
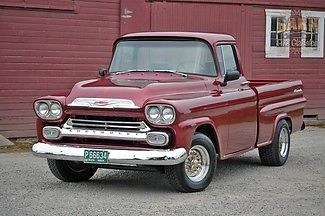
(103, 103)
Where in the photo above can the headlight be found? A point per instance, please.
(153, 112)
(160, 114)
(48, 109)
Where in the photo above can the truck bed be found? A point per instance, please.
(277, 99)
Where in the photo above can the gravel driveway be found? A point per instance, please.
(241, 186)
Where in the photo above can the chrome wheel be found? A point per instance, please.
(197, 163)
(284, 142)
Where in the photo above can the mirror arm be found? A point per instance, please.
(224, 83)
(102, 72)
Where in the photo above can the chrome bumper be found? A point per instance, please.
(119, 157)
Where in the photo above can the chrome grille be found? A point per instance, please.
(106, 125)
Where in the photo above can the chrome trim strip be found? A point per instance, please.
(297, 90)
(104, 134)
(101, 134)
(245, 83)
(107, 103)
(162, 157)
(91, 124)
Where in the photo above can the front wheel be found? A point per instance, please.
(276, 154)
(71, 171)
(196, 172)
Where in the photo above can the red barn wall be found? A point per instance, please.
(46, 47)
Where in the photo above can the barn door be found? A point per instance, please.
(135, 16)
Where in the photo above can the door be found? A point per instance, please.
(241, 103)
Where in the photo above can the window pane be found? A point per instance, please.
(229, 58)
(280, 40)
(278, 30)
(273, 39)
(220, 61)
(281, 24)
(273, 23)
(311, 32)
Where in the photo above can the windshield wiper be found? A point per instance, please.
(167, 71)
(171, 71)
(128, 71)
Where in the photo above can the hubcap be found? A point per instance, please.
(197, 163)
(284, 142)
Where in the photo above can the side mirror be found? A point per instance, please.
(102, 72)
(230, 75)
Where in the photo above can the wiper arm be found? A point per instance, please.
(128, 71)
(136, 70)
(171, 71)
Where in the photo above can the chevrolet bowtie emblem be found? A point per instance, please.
(103, 103)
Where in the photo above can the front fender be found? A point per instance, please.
(185, 131)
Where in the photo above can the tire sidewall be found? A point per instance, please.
(63, 171)
(204, 141)
(282, 124)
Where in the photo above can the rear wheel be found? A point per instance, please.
(71, 171)
(196, 172)
(276, 154)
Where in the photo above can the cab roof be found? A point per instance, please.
(212, 38)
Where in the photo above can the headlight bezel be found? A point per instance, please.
(49, 115)
(160, 120)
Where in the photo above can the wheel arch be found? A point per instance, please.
(279, 118)
(210, 131)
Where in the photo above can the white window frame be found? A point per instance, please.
(313, 52)
(276, 52)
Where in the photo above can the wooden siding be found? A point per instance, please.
(215, 18)
(46, 49)
(310, 70)
(292, 3)
(48, 45)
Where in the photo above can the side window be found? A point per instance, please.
(220, 60)
(226, 58)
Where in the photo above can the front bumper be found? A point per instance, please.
(162, 157)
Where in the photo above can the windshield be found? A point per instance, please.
(182, 56)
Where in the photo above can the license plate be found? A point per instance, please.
(96, 156)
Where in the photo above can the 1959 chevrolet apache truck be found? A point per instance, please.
(170, 101)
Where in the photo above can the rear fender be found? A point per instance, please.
(278, 118)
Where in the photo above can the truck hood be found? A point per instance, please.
(140, 87)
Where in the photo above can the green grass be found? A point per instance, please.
(20, 145)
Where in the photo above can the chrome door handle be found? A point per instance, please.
(297, 90)
(245, 83)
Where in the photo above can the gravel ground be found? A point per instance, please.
(240, 186)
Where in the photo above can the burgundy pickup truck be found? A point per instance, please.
(170, 101)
